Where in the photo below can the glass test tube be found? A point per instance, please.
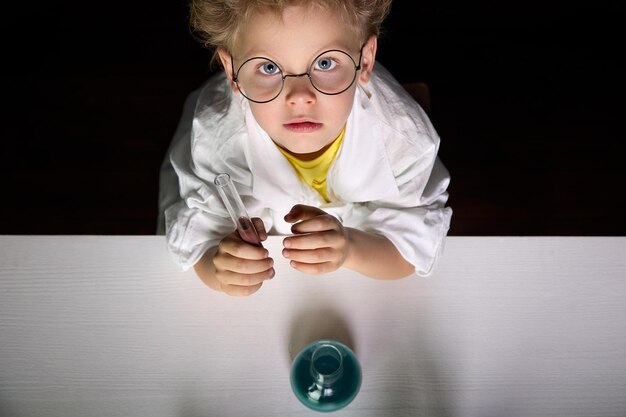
(236, 209)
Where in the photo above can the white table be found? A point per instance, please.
(506, 326)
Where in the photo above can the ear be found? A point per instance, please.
(368, 59)
(226, 60)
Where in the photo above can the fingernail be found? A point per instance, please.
(287, 243)
(285, 253)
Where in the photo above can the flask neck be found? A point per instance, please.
(326, 365)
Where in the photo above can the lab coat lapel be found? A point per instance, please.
(362, 171)
(273, 179)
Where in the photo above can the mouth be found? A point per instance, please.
(302, 126)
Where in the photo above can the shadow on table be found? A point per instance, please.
(317, 323)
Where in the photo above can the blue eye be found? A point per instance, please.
(325, 64)
(269, 68)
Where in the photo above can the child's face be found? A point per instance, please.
(301, 119)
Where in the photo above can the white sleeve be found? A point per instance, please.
(169, 190)
(191, 215)
(417, 230)
(416, 219)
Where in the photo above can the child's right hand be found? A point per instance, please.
(241, 268)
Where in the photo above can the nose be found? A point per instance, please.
(299, 90)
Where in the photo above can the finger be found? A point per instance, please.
(237, 247)
(314, 240)
(227, 262)
(317, 223)
(240, 291)
(302, 212)
(313, 269)
(244, 280)
(313, 256)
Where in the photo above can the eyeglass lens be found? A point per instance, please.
(261, 79)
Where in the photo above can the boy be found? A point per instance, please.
(321, 146)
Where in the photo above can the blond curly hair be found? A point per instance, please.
(217, 23)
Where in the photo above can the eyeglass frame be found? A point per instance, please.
(357, 67)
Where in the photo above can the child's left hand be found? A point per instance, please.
(320, 243)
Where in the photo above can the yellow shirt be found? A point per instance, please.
(314, 172)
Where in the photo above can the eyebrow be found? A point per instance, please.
(335, 46)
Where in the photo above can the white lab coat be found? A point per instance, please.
(386, 177)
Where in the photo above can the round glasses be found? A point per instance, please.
(261, 80)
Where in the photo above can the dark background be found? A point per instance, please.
(528, 101)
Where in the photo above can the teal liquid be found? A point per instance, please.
(334, 396)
